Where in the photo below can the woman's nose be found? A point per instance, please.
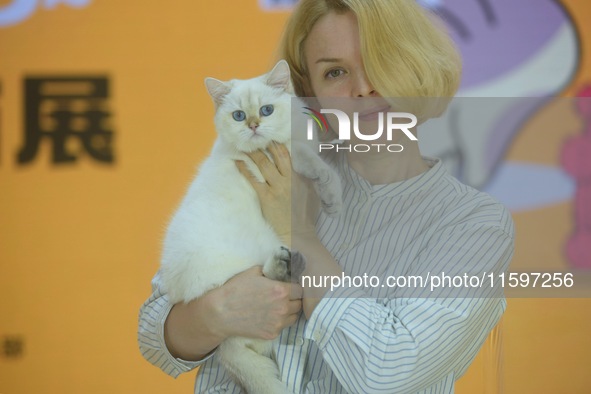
(363, 87)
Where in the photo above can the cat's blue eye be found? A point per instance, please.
(238, 116)
(266, 110)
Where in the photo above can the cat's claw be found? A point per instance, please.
(278, 267)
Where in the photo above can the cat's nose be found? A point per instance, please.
(253, 126)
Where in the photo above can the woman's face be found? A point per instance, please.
(337, 75)
(333, 58)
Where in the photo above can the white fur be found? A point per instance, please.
(219, 231)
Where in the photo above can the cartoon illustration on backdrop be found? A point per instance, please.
(522, 52)
(517, 56)
(19, 10)
(576, 161)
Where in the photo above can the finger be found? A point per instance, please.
(294, 307)
(296, 292)
(291, 319)
(259, 187)
(257, 270)
(267, 168)
(281, 157)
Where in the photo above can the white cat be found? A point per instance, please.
(219, 231)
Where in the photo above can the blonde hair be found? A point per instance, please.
(405, 53)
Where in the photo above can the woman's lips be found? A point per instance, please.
(372, 114)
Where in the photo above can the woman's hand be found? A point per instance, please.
(290, 204)
(275, 193)
(248, 305)
(288, 201)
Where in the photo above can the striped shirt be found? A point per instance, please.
(377, 339)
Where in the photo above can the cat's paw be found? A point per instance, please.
(328, 188)
(332, 206)
(278, 266)
(298, 265)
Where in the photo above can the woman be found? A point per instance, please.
(403, 216)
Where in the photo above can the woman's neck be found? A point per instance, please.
(380, 168)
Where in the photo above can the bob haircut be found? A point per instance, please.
(407, 56)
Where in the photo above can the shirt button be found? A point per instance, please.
(344, 246)
(299, 341)
(316, 335)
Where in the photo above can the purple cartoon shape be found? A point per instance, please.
(499, 37)
(523, 50)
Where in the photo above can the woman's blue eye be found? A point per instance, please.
(238, 116)
(266, 110)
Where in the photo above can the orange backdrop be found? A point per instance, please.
(80, 241)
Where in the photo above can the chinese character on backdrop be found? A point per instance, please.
(12, 347)
(70, 114)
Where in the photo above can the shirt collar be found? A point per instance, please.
(415, 184)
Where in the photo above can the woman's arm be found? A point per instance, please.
(408, 344)
(177, 337)
(152, 317)
(405, 346)
(248, 305)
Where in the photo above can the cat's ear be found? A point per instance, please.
(217, 90)
(279, 76)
